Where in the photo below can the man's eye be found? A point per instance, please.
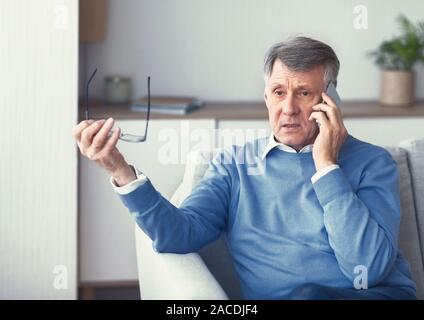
(278, 93)
(304, 93)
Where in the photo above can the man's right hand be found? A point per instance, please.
(94, 143)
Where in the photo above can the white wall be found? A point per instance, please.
(214, 48)
(38, 163)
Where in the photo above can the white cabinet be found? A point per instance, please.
(106, 246)
(385, 131)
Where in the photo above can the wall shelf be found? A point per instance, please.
(254, 111)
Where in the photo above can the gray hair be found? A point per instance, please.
(303, 54)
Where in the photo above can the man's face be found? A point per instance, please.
(289, 97)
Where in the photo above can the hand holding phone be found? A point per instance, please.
(332, 93)
(328, 142)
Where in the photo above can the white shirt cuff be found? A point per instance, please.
(320, 173)
(130, 187)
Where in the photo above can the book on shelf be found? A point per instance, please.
(168, 105)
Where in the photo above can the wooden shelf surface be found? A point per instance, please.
(251, 111)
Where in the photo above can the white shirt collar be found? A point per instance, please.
(272, 144)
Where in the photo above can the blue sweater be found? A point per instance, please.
(282, 230)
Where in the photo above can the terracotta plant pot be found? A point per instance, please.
(397, 88)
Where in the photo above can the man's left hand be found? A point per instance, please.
(332, 132)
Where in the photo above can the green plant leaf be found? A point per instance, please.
(404, 51)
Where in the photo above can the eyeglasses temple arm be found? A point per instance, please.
(148, 107)
(87, 115)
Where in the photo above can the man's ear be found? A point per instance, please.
(266, 99)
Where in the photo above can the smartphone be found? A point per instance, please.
(332, 92)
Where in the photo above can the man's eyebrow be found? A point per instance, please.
(277, 85)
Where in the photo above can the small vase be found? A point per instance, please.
(397, 88)
(117, 90)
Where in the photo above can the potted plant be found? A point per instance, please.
(396, 58)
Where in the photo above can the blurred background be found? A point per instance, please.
(215, 49)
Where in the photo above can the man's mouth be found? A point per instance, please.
(291, 125)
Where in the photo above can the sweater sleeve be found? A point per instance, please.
(199, 220)
(363, 224)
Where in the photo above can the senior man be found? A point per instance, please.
(324, 207)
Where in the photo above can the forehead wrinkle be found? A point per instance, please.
(281, 76)
(298, 84)
(288, 80)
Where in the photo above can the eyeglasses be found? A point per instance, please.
(123, 136)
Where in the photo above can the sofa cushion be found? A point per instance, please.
(415, 149)
(409, 241)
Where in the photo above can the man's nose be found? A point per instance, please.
(289, 107)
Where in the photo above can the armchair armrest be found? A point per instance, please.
(173, 276)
